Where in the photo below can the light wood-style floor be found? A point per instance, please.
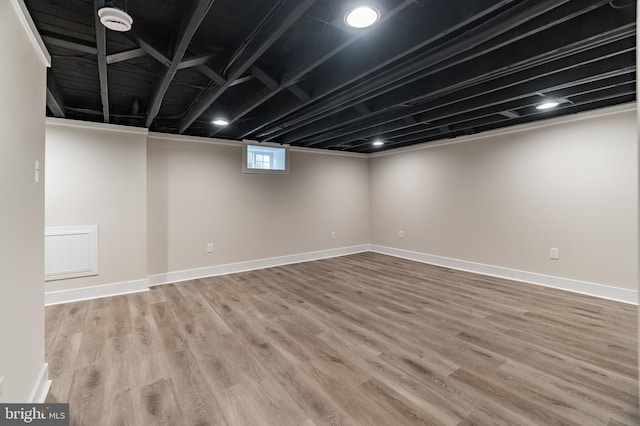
(363, 339)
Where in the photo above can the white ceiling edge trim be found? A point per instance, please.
(603, 112)
(328, 152)
(199, 139)
(194, 139)
(53, 121)
(32, 31)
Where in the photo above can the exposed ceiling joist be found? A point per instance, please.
(427, 70)
(312, 63)
(403, 73)
(272, 87)
(278, 23)
(444, 21)
(509, 114)
(491, 65)
(70, 45)
(55, 102)
(298, 93)
(486, 122)
(101, 45)
(494, 101)
(135, 108)
(125, 56)
(152, 51)
(529, 73)
(196, 61)
(362, 109)
(218, 79)
(213, 76)
(199, 12)
(265, 78)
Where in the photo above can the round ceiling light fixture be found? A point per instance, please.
(115, 19)
(362, 17)
(547, 105)
(220, 122)
(377, 143)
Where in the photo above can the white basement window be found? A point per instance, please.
(265, 159)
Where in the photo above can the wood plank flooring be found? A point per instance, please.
(365, 339)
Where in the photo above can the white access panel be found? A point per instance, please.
(70, 252)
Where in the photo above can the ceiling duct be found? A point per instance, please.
(115, 19)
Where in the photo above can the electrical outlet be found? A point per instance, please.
(333, 235)
(210, 248)
(554, 253)
(401, 234)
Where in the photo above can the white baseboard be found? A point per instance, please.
(41, 387)
(592, 289)
(232, 268)
(95, 292)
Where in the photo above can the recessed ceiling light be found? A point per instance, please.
(115, 19)
(220, 122)
(362, 17)
(548, 105)
(378, 143)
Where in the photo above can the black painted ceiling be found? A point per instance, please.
(290, 71)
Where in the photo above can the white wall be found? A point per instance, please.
(501, 199)
(198, 194)
(505, 200)
(22, 113)
(96, 175)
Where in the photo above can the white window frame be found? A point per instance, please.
(246, 169)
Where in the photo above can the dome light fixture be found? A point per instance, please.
(547, 105)
(220, 122)
(115, 19)
(362, 17)
(377, 143)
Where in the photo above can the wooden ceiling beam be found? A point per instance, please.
(265, 78)
(70, 45)
(317, 59)
(298, 92)
(101, 47)
(195, 61)
(615, 72)
(525, 71)
(509, 114)
(404, 73)
(486, 66)
(270, 31)
(152, 51)
(195, 19)
(125, 56)
(362, 109)
(380, 52)
(472, 124)
(55, 101)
